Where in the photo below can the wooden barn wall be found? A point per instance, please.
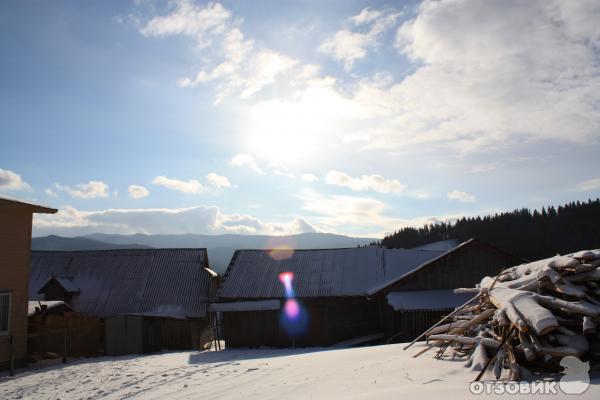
(84, 335)
(462, 268)
(129, 334)
(330, 320)
(15, 244)
(173, 334)
(404, 326)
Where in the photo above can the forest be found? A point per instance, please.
(525, 233)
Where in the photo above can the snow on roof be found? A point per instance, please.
(427, 299)
(395, 278)
(31, 305)
(441, 245)
(260, 305)
(253, 274)
(156, 314)
(112, 282)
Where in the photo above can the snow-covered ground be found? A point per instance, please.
(380, 372)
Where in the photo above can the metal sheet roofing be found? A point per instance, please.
(442, 245)
(258, 305)
(110, 282)
(438, 299)
(317, 273)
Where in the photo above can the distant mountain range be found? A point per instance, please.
(220, 247)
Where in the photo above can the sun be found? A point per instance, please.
(282, 132)
(296, 128)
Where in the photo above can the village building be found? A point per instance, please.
(147, 299)
(412, 302)
(341, 296)
(15, 244)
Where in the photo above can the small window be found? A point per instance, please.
(4, 313)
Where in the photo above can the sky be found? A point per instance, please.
(270, 117)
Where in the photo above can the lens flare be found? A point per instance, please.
(286, 278)
(293, 318)
(292, 309)
(281, 253)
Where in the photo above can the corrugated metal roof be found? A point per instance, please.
(318, 273)
(165, 281)
(439, 299)
(258, 305)
(442, 245)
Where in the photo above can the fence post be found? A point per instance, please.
(12, 355)
(64, 360)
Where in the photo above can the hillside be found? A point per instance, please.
(59, 243)
(220, 247)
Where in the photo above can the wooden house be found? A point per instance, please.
(149, 299)
(324, 297)
(15, 245)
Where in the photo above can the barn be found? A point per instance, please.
(147, 299)
(324, 297)
(412, 302)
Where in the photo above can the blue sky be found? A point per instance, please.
(284, 117)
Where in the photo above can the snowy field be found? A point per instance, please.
(381, 372)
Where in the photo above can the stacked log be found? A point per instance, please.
(526, 319)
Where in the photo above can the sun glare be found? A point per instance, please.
(294, 130)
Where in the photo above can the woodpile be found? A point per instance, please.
(526, 319)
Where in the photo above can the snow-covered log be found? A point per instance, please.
(529, 316)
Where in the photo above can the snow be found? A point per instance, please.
(441, 245)
(260, 305)
(438, 299)
(379, 372)
(31, 305)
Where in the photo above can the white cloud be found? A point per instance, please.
(463, 197)
(309, 178)
(366, 182)
(235, 64)
(188, 19)
(348, 45)
(50, 192)
(246, 160)
(362, 214)
(487, 77)
(137, 191)
(496, 71)
(589, 185)
(280, 170)
(191, 186)
(90, 190)
(218, 181)
(10, 180)
(198, 219)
